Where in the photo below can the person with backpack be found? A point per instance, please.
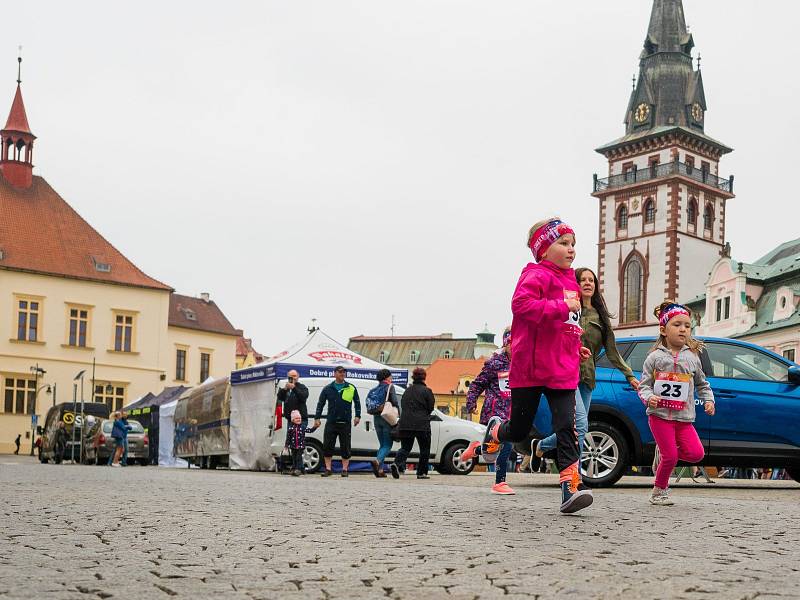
(376, 403)
(340, 396)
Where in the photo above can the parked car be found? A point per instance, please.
(99, 445)
(450, 436)
(70, 415)
(756, 423)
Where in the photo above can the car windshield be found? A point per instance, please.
(740, 362)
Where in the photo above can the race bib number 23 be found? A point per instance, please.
(673, 389)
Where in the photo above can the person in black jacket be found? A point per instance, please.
(340, 396)
(293, 396)
(416, 407)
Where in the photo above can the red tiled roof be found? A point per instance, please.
(17, 118)
(41, 233)
(244, 346)
(196, 313)
(443, 374)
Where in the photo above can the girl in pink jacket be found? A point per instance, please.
(546, 353)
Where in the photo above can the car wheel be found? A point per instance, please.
(794, 472)
(451, 460)
(605, 455)
(312, 456)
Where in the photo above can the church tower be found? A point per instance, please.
(663, 203)
(16, 155)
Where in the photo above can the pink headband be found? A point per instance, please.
(544, 237)
(670, 311)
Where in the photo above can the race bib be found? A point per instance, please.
(673, 389)
(502, 383)
(574, 318)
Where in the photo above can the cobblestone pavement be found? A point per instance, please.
(97, 532)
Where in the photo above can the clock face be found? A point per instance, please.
(641, 113)
(697, 112)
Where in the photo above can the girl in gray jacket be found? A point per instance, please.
(671, 374)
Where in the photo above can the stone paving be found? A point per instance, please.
(72, 532)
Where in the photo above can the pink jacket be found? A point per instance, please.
(545, 347)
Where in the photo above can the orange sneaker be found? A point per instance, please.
(469, 454)
(503, 489)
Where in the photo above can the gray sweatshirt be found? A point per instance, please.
(662, 360)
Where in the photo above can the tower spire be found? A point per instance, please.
(16, 154)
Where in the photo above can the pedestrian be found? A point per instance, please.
(340, 396)
(671, 374)
(119, 432)
(16, 443)
(60, 443)
(126, 429)
(493, 382)
(546, 346)
(38, 445)
(296, 441)
(293, 396)
(376, 403)
(416, 406)
(598, 335)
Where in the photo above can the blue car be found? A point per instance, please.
(757, 421)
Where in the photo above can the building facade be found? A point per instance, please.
(409, 352)
(77, 318)
(663, 201)
(757, 302)
(449, 380)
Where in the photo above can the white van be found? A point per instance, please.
(449, 436)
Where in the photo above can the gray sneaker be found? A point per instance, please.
(660, 497)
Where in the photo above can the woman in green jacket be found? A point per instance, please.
(597, 335)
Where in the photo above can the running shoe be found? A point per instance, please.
(395, 471)
(503, 489)
(470, 453)
(490, 447)
(660, 497)
(345, 474)
(574, 495)
(326, 473)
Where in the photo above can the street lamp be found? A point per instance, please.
(38, 372)
(74, 402)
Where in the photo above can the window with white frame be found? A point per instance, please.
(413, 357)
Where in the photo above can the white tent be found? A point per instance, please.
(254, 392)
(166, 436)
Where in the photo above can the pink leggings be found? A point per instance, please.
(676, 440)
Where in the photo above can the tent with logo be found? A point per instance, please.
(254, 392)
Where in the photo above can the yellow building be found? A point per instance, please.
(246, 355)
(449, 379)
(72, 304)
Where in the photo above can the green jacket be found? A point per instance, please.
(597, 336)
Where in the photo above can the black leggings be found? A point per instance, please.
(525, 403)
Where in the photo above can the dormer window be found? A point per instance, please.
(189, 314)
(383, 356)
(447, 354)
(413, 357)
(100, 266)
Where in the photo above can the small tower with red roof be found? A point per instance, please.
(16, 160)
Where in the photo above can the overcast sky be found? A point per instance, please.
(353, 160)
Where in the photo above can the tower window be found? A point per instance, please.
(708, 217)
(633, 290)
(691, 211)
(649, 211)
(622, 217)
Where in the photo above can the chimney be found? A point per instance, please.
(205, 297)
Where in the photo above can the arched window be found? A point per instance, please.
(708, 217)
(633, 290)
(691, 211)
(383, 356)
(447, 354)
(622, 217)
(413, 357)
(649, 211)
